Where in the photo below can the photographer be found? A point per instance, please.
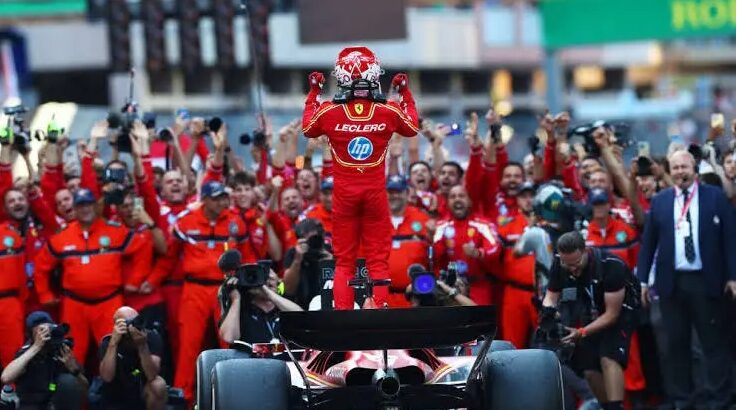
(130, 360)
(250, 314)
(302, 275)
(45, 371)
(594, 293)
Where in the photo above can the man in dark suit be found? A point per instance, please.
(691, 228)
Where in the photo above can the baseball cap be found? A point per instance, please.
(598, 196)
(83, 196)
(326, 184)
(212, 189)
(527, 186)
(36, 318)
(396, 183)
(548, 199)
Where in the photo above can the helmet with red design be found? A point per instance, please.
(354, 63)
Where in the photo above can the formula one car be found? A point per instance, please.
(382, 359)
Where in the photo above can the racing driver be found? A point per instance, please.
(359, 123)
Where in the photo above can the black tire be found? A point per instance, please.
(523, 379)
(251, 384)
(501, 345)
(205, 364)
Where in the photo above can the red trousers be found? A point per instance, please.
(87, 320)
(361, 217)
(518, 316)
(11, 328)
(199, 305)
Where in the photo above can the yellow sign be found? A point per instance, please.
(359, 108)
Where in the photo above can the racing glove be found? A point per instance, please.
(315, 80)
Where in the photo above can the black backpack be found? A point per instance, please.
(632, 300)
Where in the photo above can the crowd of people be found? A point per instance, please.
(98, 248)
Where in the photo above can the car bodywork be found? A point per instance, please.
(382, 359)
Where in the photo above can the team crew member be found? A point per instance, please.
(518, 316)
(609, 232)
(244, 204)
(90, 252)
(470, 242)
(409, 239)
(359, 126)
(12, 281)
(322, 211)
(165, 276)
(202, 235)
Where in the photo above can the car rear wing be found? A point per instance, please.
(378, 329)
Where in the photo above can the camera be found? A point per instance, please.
(214, 124)
(253, 275)
(258, 138)
(14, 132)
(138, 322)
(58, 333)
(644, 166)
(165, 135)
(316, 243)
(620, 130)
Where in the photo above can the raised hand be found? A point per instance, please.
(400, 82)
(316, 80)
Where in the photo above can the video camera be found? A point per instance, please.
(14, 132)
(549, 333)
(253, 275)
(423, 283)
(123, 121)
(621, 131)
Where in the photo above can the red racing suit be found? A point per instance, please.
(13, 260)
(359, 132)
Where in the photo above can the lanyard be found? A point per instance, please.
(687, 202)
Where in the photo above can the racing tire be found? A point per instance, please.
(205, 364)
(501, 345)
(523, 379)
(251, 384)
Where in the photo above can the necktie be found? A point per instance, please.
(688, 243)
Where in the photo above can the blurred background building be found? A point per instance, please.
(661, 65)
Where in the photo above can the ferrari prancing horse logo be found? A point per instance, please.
(359, 108)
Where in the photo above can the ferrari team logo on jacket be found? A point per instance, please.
(359, 108)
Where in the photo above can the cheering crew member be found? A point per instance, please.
(322, 211)
(13, 280)
(518, 316)
(202, 235)
(409, 239)
(90, 252)
(470, 242)
(359, 123)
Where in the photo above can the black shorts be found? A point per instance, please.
(613, 343)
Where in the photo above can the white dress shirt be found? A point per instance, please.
(680, 257)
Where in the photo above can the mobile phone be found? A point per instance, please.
(138, 203)
(452, 129)
(184, 113)
(717, 120)
(644, 149)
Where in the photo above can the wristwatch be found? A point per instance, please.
(453, 293)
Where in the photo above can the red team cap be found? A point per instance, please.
(355, 63)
